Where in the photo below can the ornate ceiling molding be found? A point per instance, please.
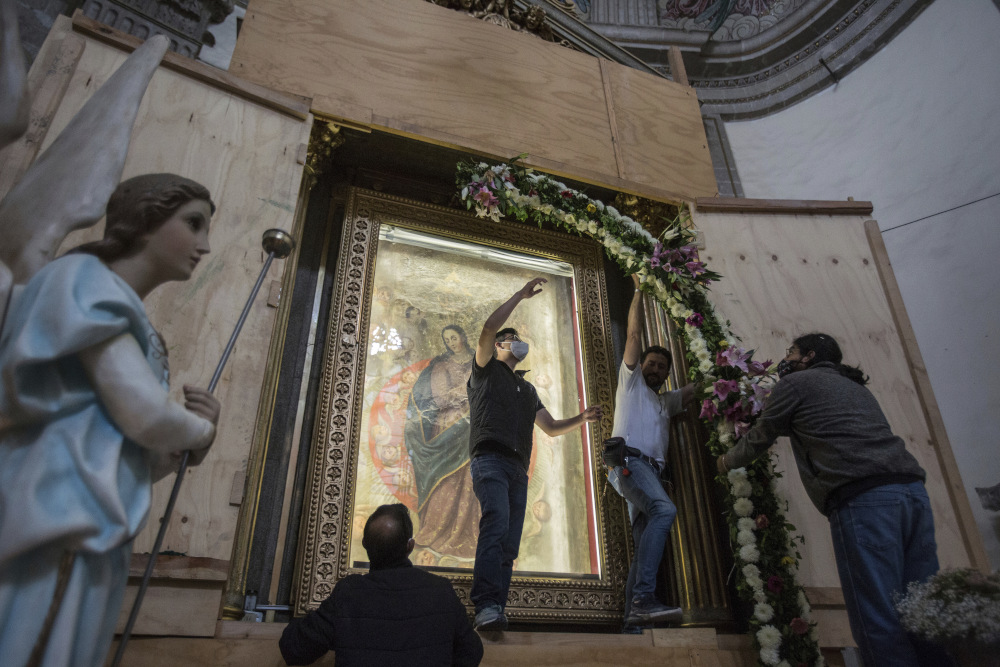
(766, 76)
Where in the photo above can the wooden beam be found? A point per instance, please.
(181, 567)
(967, 527)
(677, 71)
(825, 596)
(787, 206)
(296, 106)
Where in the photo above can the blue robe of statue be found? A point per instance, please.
(69, 480)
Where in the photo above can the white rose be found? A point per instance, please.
(742, 489)
(749, 554)
(763, 612)
(769, 637)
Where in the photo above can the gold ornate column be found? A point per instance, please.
(698, 564)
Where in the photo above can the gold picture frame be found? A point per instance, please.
(331, 486)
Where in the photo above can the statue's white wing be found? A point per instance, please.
(68, 186)
(14, 103)
(14, 106)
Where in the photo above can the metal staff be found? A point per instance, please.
(277, 243)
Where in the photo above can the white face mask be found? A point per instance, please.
(519, 349)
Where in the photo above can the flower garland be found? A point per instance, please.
(732, 385)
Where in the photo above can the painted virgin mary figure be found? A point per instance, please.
(437, 439)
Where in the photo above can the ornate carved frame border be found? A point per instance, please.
(329, 495)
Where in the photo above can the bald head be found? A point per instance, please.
(388, 535)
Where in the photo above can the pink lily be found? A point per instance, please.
(708, 409)
(735, 412)
(485, 197)
(757, 400)
(732, 356)
(723, 388)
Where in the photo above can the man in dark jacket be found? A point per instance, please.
(858, 473)
(394, 615)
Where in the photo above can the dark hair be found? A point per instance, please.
(826, 349)
(387, 532)
(460, 331)
(138, 207)
(656, 349)
(504, 332)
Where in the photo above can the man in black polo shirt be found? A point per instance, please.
(503, 409)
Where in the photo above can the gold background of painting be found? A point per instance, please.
(324, 552)
(417, 292)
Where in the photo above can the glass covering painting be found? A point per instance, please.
(431, 295)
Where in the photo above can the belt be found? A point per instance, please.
(635, 453)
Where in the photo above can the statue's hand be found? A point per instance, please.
(204, 404)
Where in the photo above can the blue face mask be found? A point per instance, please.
(519, 349)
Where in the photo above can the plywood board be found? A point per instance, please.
(786, 275)
(186, 609)
(245, 154)
(414, 68)
(659, 130)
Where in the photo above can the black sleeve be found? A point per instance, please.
(306, 639)
(478, 373)
(467, 647)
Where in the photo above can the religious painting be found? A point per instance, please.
(414, 285)
(432, 295)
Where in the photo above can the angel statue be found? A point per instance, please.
(86, 424)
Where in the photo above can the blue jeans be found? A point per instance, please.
(652, 514)
(501, 485)
(884, 539)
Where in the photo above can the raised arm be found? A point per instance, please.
(484, 349)
(554, 427)
(633, 337)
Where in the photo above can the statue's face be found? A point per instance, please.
(176, 247)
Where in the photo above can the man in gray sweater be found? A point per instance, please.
(860, 476)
